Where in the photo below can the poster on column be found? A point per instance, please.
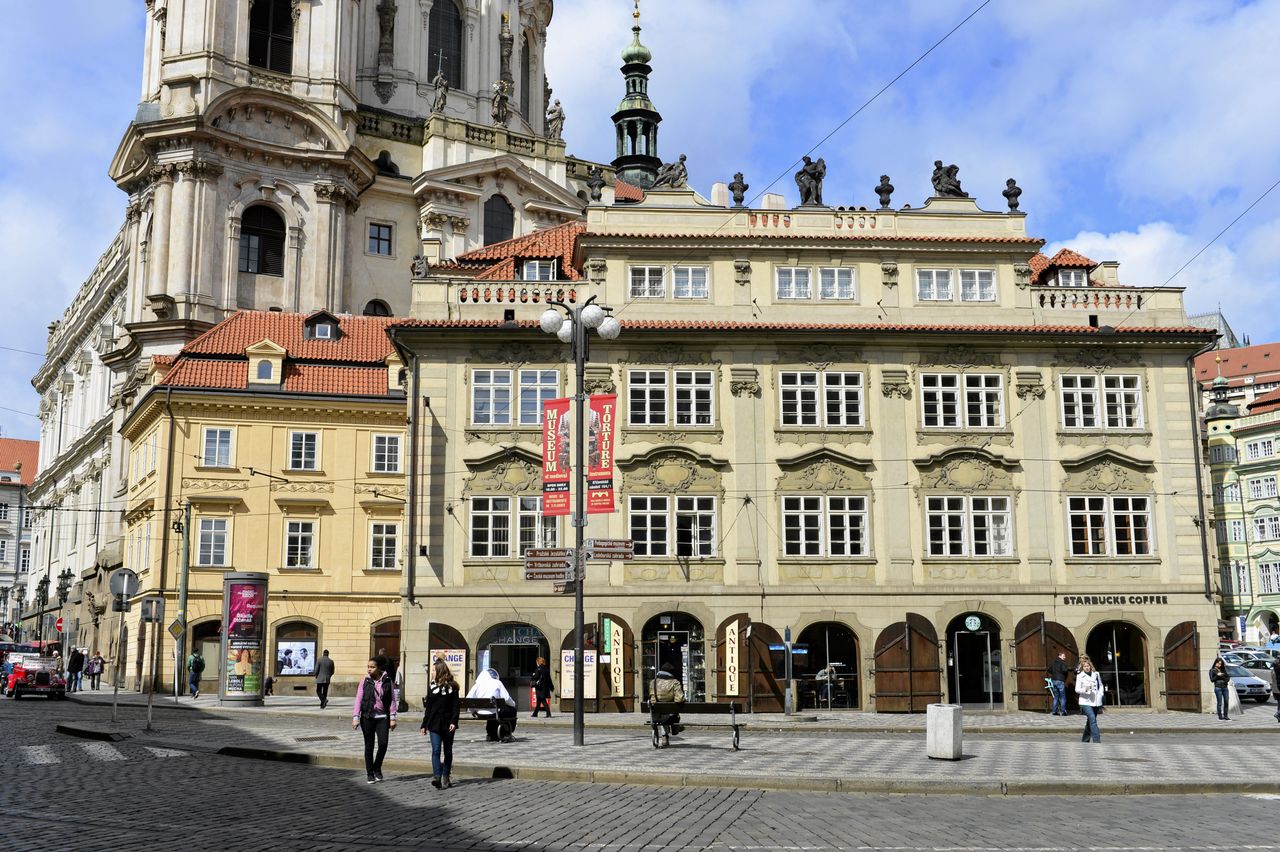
(604, 408)
(588, 674)
(555, 457)
(245, 607)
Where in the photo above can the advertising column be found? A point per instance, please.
(244, 637)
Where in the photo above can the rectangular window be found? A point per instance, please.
(842, 399)
(1231, 493)
(491, 397)
(983, 401)
(992, 530)
(647, 397)
(538, 270)
(695, 526)
(1221, 529)
(536, 530)
(386, 453)
(27, 517)
(647, 283)
(695, 394)
(536, 387)
(933, 285)
(1222, 453)
(4, 550)
(1269, 579)
(212, 550)
(4, 511)
(217, 448)
(299, 544)
(384, 546)
(969, 526)
(24, 559)
(1266, 529)
(379, 239)
(491, 527)
(1079, 402)
(1237, 530)
(1258, 449)
(793, 283)
(1110, 526)
(803, 521)
(303, 450)
(846, 526)
(1122, 396)
(977, 285)
(945, 520)
(799, 398)
(836, 283)
(940, 400)
(690, 282)
(1072, 278)
(1243, 586)
(1262, 488)
(648, 522)
(833, 399)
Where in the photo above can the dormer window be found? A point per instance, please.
(539, 270)
(323, 331)
(1073, 278)
(321, 325)
(264, 371)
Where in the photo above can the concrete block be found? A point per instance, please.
(944, 729)
(720, 194)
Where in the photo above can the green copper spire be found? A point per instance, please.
(637, 119)
(636, 52)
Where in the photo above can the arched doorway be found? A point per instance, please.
(296, 649)
(207, 636)
(830, 644)
(1182, 668)
(676, 638)
(512, 650)
(617, 663)
(384, 639)
(1037, 643)
(750, 664)
(907, 675)
(974, 663)
(1119, 653)
(448, 644)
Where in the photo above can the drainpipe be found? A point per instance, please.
(164, 518)
(411, 508)
(1193, 394)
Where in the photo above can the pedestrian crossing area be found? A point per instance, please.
(44, 755)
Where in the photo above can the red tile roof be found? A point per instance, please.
(1067, 257)
(298, 378)
(1269, 401)
(550, 243)
(623, 191)
(503, 270)
(15, 452)
(770, 234)
(1038, 263)
(1260, 360)
(361, 339)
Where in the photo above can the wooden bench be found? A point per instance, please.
(657, 710)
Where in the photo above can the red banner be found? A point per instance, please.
(604, 410)
(555, 457)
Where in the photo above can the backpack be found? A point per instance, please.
(196, 664)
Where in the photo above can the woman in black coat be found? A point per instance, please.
(441, 722)
(542, 687)
(1221, 684)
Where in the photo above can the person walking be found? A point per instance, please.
(1058, 674)
(94, 669)
(1089, 688)
(1221, 684)
(75, 670)
(542, 687)
(195, 668)
(375, 715)
(441, 722)
(324, 676)
(668, 689)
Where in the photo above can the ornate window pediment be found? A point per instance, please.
(1107, 470)
(966, 470)
(672, 470)
(823, 471)
(511, 470)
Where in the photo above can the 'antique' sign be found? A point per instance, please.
(1114, 600)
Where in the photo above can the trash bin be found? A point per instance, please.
(944, 731)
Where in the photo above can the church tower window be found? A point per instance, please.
(262, 241)
(444, 41)
(271, 35)
(499, 220)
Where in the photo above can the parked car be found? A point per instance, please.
(1263, 670)
(1248, 686)
(30, 674)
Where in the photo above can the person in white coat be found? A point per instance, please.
(489, 685)
(1089, 689)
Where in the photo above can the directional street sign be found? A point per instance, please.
(549, 563)
(622, 549)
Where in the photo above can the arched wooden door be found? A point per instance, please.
(908, 677)
(1182, 668)
(1036, 643)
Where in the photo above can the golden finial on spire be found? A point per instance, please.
(636, 13)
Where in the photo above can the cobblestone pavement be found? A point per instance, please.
(63, 793)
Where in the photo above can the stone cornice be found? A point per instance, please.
(79, 321)
(70, 458)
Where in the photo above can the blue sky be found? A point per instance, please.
(1137, 130)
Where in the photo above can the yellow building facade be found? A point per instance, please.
(284, 435)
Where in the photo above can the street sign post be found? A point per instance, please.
(175, 628)
(620, 549)
(57, 625)
(123, 584)
(549, 563)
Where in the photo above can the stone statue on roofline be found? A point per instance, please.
(673, 175)
(555, 121)
(809, 181)
(442, 92)
(739, 189)
(1011, 194)
(595, 182)
(946, 184)
(501, 111)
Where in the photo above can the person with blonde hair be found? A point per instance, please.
(542, 687)
(1090, 690)
(441, 722)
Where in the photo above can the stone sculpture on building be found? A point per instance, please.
(501, 111)
(809, 181)
(595, 182)
(945, 182)
(1011, 193)
(673, 175)
(885, 191)
(555, 121)
(442, 92)
(739, 189)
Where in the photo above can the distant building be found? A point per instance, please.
(1250, 372)
(1218, 322)
(18, 461)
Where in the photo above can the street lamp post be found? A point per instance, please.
(4, 609)
(64, 592)
(573, 330)
(41, 601)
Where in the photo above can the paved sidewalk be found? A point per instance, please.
(867, 754)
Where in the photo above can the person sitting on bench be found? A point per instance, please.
(500, 723)
(667, 688)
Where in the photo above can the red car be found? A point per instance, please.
(28, 674)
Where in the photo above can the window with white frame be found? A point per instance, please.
(1122, 399)
(491, 527)
(300, 544)
(837, 283)
(977, 285)
(538, 270)
(1262, 487)
(1237, 529)
(1118, 397)
(1072, 278)
(24, 559)
(212, 548)
(933, 285)
(536, 387)
(384, 546)
(1244, 586)
(647, 397)
(1079, 402)
(1221, 529)
(217, 448)
(969, 526)
(648, 521)
(689, 282)
(4, 550)
(536, 530)
(646, 282)
(27, 516)
(1258, 449)
(386, 454)
(820, 398)
(792, 282)
(4, 511)
(1231, 493)
(695, 398)
(824, 526)
(493, 390)
(304, 450)
(1268, 578)
(1110, 525)
(983, 400)
(688, 394)
(695, 526)
(1222, 453)
(1266, 529)
(651, 522)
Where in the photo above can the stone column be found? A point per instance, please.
(896, 503)
(158, 243)
(180, 233)
(748, 427)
